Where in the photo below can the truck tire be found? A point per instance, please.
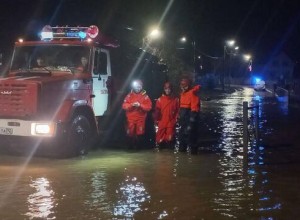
(79, 136)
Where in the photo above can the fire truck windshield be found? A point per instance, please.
(50, 57)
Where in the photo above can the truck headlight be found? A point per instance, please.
(43, 129)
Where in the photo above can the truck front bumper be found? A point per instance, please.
(17, 127)
(23, 140)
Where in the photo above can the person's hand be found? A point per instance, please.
(136, 104)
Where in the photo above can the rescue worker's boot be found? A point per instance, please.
(131, 143)
(163, 145)
(140, 142)
(171, 144)
(194, 150)
(182, 145)
(182, 148)
(157, 147)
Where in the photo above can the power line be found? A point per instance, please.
(209, 56)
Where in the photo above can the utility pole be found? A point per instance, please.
(194, 59)
(224, 69)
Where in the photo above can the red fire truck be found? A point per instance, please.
(57, 89)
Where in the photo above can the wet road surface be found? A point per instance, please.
(144, 184)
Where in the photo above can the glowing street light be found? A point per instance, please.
(154, 34)
(149, 39)
(228, 44)
(247, 57)
(184, 40)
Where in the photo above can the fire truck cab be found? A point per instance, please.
(54, 91)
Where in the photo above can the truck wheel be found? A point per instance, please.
(80, 135)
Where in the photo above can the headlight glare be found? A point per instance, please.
(42, 129)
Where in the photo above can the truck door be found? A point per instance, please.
(101, 72)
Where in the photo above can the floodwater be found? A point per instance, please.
(215, 184)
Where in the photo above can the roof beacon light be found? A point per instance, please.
(47, 33)
(93, 31)
(81, 33)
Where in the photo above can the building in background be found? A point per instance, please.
(280, 69)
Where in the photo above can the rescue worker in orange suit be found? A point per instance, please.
(136, 105)
(188, 116)
(165, 116)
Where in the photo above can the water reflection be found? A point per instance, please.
(97, 197)
(175, 166)
(228, 201)
(258, 176)
(41, 202)
(260, 185)
(245, 187)
(242, 184)
(283, 104)
(131, 195)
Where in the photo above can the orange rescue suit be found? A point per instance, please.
(188, 114)
(166, 112)
(189, 100)
(136, 116)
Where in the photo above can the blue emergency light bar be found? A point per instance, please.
(257, 79)
(81, 33)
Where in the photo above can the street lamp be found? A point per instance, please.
(155, 33)
(248, 58)
(229, 45)
(149, 39)
(184, 40)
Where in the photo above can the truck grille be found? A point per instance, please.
(18, 99)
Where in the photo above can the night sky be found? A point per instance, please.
(260, 27)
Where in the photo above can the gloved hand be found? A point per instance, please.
(136, 104)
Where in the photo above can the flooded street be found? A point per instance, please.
(215, 184)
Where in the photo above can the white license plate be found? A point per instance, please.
(6, 131)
